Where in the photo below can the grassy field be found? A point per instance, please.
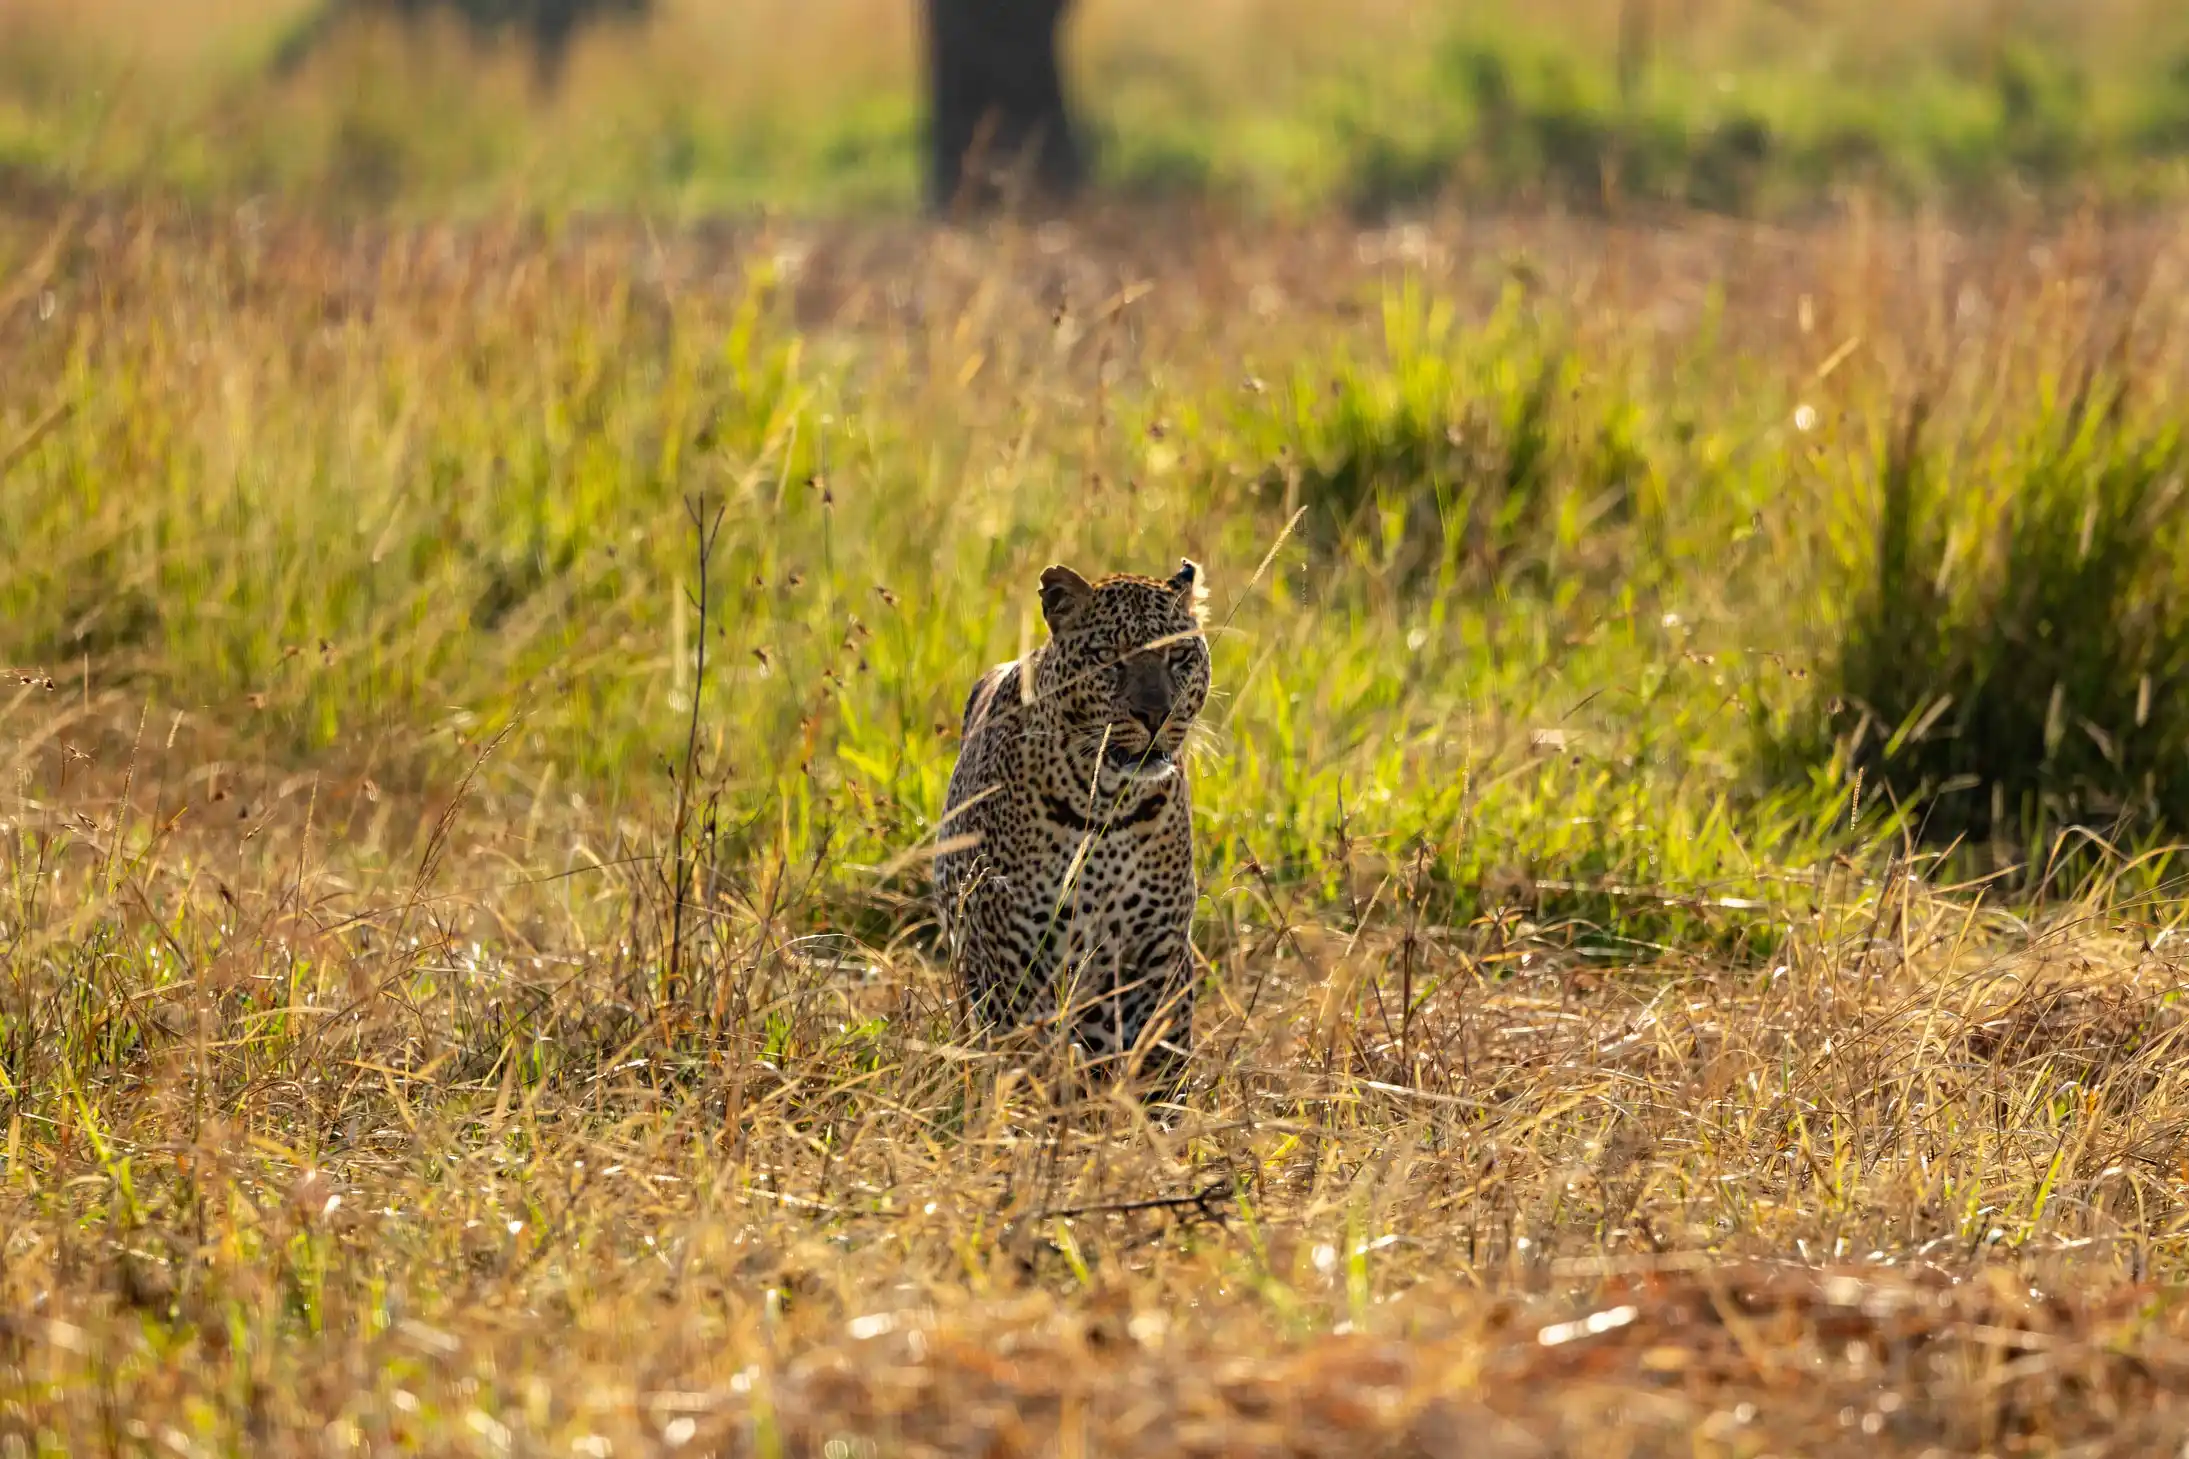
(1691, 943)
(1754, 107)
(468, 988)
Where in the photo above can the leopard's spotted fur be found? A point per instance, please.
(1067, 881)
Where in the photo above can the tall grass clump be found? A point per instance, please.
(2016, 654)
(1487, 454)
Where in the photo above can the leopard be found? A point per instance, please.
(1064, 875)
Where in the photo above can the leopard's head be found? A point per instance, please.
(1126, 669)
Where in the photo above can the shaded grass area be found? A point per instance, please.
(1295, 105)
(2013, 662)
(1596, 1053)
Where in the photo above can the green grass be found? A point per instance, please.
(2012, 661)
(474, 513)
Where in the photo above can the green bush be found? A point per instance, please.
(2165, 125)
(1479, 454)
(2015, 661)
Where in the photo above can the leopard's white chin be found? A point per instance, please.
(1146, 763)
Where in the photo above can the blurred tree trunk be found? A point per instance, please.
(999, 127)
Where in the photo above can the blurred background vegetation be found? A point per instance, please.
(1769, 107)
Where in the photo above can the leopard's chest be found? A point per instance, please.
(1083, 881)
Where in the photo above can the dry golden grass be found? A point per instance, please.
(351, 1100)
(1918, 1184)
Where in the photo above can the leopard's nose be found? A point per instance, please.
(1147, 693)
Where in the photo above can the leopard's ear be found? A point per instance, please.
(1063, 594)
(1190, 584)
